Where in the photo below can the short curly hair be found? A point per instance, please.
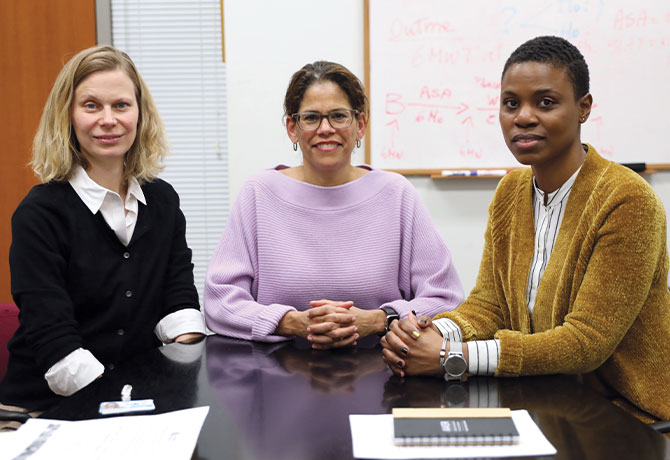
(56, 151)
(557, 52)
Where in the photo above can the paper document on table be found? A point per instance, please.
(372, 437)
(168, 436)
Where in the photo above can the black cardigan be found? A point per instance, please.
(77, 285)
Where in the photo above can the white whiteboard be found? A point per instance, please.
(435, 68)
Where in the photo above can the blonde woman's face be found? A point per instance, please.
(105, 113)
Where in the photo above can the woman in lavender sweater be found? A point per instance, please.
(326, 251)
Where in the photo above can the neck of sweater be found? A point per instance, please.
(318, 197)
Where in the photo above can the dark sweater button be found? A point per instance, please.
(126, 255)
(129, 293)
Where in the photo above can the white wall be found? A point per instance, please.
(268, 40)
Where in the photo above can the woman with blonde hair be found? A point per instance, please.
(99, 262)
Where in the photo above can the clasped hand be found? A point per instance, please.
(412, 347)
(331, 324)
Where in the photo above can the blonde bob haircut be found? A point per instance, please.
(56, 150)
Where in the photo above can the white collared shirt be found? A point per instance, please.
(80, 368)
(120, 218)
(484, 355)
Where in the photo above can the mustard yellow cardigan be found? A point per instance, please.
(603, 304)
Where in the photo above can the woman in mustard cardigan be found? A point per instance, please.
(573, 279)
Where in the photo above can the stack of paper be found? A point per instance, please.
(169, 436)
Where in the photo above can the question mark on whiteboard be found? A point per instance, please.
(512, 13)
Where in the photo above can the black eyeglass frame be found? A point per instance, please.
(296, 118)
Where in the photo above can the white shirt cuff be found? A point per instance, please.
(74, 372)
(483, 356)
(449, 329)
(187, 320)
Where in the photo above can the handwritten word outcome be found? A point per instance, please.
(434, 93)
(484, 83)
(624, 20)
(418, 28)
(391, 153)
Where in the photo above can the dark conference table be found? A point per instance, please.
(286, 401)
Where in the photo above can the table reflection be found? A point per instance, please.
(286, 401)
(293, 402)
(167, 374)
(579, 422)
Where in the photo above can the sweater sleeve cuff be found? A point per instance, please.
(187, 320)
(267, 321)
(511, 353)
(74, 372)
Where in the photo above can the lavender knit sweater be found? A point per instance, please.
(287, 242)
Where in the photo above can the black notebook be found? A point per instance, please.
(453, 427)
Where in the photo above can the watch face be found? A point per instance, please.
(455, 365)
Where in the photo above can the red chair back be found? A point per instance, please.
(9, 322)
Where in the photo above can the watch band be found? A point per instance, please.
(443, 352)
(391, 315)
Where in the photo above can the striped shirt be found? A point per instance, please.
(548, 211)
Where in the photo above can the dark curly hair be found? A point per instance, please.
(557, 52)
(324, 71)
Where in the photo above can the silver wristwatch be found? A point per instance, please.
(453, 364)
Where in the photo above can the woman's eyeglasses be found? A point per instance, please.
(338, 119)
